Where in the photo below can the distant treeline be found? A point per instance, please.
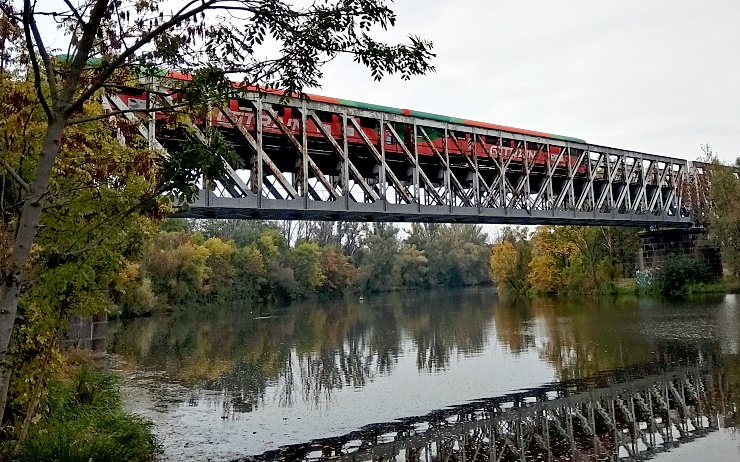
(191, 261)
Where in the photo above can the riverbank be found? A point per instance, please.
(85, 421)
(725, 286)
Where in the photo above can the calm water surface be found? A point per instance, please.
(231, 380)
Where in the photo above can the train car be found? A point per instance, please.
(503, 148)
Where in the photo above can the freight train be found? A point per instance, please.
(505, 149)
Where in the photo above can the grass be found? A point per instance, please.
(86, 422)
(725, 286)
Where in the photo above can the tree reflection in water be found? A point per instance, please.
(308, 351)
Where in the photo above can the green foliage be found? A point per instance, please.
(181, 172)
(678, 273)
(724, 214)
(86, 422)
(378, 259)
(457, 255)
(78, 249)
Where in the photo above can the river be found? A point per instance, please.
(229, 380)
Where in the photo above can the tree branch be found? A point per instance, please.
(89, 32)
(34, 61)
(15, 175)
(174, 21)
(83, 120)
(45, 58)
(74, 12)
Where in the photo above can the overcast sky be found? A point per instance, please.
(654, 76)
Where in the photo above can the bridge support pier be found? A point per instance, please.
(658, 245)
(88, 333)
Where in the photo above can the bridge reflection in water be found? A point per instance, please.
(626, 414)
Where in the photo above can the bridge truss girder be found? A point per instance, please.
(415, 169)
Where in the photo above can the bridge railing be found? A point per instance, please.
(304, 159)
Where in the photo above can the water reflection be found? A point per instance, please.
(629, 414)
(253, 379)
(306, 349)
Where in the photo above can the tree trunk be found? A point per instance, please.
(28, 226)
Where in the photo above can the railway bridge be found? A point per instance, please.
(318, 158)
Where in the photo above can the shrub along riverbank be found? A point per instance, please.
(85, 422)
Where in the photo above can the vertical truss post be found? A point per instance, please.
(304, 152)
(592, 422)
(613, 415)
(383, 166)
(551, 172)
(491, 438)
(635, 423)
(260, 167)
(592, 170)
(345, 161)
(476, 173)
(448, 170)
(415, 136)
(526, 180)
(571, 436)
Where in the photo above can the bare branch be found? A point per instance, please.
(45, 58)
(83, 120)
(74, 12)
(15, 175)
(34, 61)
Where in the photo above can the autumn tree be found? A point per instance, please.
(109, 42)
(78, 249)
(724, 213)
(552, 259)
(510, 258)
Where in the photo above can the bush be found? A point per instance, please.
(86, 422)
(678, 273)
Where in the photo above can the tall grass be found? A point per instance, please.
(86, 422)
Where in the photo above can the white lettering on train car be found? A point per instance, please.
(135, 103)
(513, 153)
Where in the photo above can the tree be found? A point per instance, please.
(378, 260)
(338, 270)
(110, 41)
(510, 258)
(79, 249)
(724, 214)
(413, 267)
(306, 264)
(552, 257)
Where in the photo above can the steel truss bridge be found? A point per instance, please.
(302, 159)
(613, 416)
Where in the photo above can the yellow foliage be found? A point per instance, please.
(544, 274)
(504, 257)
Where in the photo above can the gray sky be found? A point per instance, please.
(653, 76)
